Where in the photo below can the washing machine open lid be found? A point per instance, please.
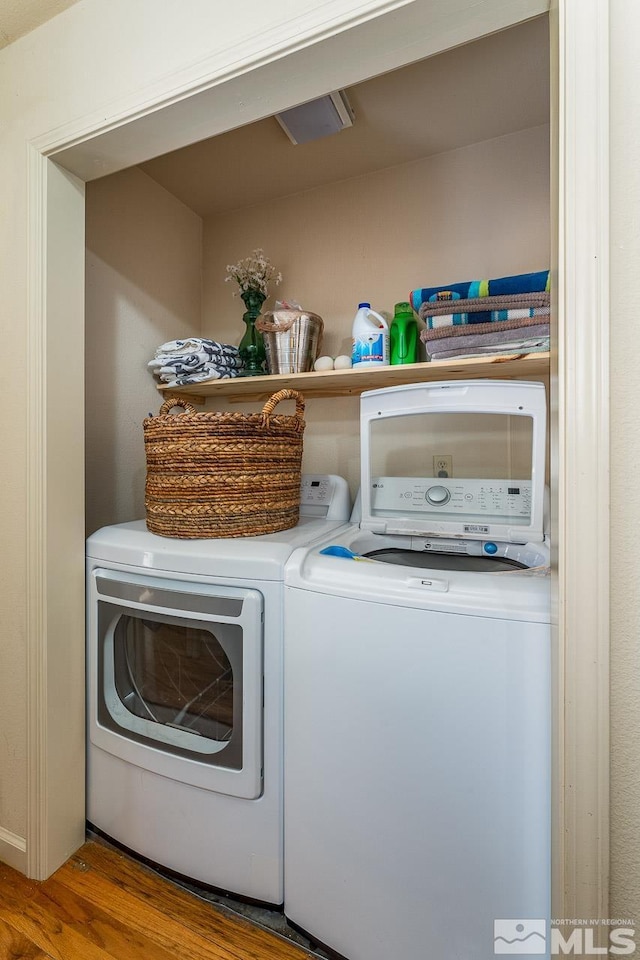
(454, 459)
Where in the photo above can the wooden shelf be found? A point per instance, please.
(351, 383)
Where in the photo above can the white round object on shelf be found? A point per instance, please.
(323, 363)
(342, 363)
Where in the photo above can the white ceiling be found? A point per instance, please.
(494, 86)
(18, 17)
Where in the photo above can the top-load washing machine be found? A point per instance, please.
(184, 653)
(417, 687)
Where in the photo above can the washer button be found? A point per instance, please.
(490, 548)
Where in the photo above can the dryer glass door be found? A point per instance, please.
(178, 678)
(177, 683)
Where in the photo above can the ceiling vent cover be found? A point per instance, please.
(317, 118)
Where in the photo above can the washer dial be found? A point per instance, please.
(437, 496)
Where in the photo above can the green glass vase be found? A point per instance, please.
(251, 347)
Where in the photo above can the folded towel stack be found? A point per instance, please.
(508, 287)
(195, 360)
(506, 316)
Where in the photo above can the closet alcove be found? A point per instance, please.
(444, 176)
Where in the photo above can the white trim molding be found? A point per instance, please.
(37, 651)
(13, 850)
(582, 827)
(55, 517)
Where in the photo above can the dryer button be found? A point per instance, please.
(490, 548)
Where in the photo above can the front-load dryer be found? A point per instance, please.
(184, 653)
(417, 687)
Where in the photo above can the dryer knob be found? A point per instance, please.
(438, 496)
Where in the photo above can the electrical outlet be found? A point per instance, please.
(443, 465)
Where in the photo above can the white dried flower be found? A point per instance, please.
(254, 273)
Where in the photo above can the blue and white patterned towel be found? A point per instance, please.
(207, 372)
(195, 345)
(195, 360)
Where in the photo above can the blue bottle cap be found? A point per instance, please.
(364, 305)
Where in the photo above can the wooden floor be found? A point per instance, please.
(101, 905)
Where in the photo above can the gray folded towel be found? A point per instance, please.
(489, 342)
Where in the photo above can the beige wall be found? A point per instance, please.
(480, 211)
(625, 443)
(143, 287)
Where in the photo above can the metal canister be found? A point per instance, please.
(292, 339)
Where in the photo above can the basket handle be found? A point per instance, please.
(275, 399)
(172, 402)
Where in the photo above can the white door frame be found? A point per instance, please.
(580, 417)
(579, 389)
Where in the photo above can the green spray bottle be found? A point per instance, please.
(404, 335)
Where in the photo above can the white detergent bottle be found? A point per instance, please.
(370, 334)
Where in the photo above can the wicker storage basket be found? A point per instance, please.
(223, 474)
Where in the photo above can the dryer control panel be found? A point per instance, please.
(324, 495)
(505, 500)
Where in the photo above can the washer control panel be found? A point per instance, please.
(452, 497)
